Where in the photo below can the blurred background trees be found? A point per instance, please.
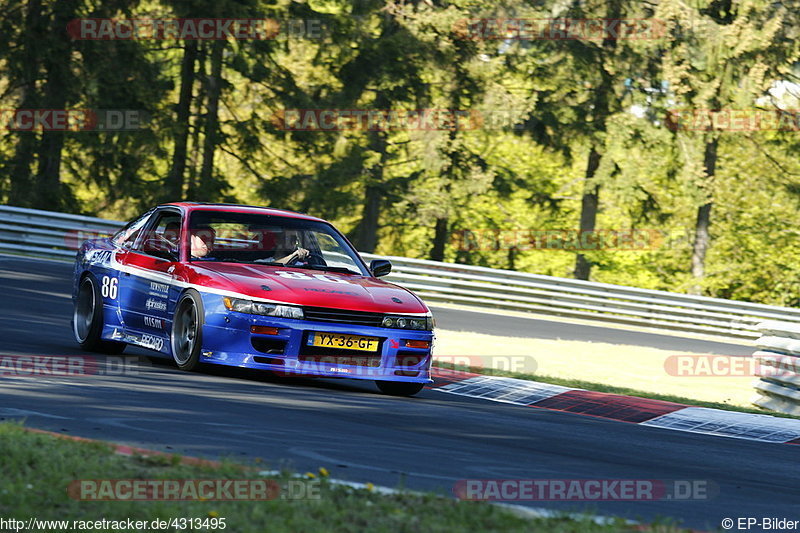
(549, 135)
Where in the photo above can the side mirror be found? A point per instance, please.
(380, 267)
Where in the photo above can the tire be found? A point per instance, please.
(399, 388)
(87, 320)
(186, 338)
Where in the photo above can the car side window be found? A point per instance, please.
(162, 238)
(126, 237)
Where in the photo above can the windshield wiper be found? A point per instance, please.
(326, 268)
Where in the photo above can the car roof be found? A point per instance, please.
(237, 208)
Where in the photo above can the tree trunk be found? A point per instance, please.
(192, 178)
(589, 205)
(49, 191)
(366, 233)
(19, 167)
(703, 222)
(453, 170)
(207, 187)
(173, 188)
(603, 94)
(439, 239)
(512, 258)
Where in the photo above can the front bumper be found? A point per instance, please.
(228, 340)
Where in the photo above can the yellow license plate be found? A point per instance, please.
(346, 342)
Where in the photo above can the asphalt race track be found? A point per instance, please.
(457, 320)
(428, 442)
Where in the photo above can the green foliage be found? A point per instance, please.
(537, 109)
(38, 469)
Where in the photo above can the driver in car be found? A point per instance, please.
(299, 254)
(202, 242)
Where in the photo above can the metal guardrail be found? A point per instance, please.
(778, 366)
(604, 302)
(47, 233)
(57, 235)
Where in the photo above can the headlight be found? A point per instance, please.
(424, 323)
(260, 308)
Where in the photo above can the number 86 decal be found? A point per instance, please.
(109, 288)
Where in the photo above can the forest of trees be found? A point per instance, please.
(663, 124)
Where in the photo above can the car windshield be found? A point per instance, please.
(271, 240)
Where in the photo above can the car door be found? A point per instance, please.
(147, 281)
(108, 268)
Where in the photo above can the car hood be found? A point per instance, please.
(307, 287)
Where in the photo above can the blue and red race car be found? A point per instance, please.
(250, 287)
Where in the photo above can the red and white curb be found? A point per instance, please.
(645, 411)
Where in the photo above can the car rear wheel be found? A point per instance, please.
(87, 320)
(399, 388)
(187, 327)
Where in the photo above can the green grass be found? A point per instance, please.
(37, 468)
(601, 387)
